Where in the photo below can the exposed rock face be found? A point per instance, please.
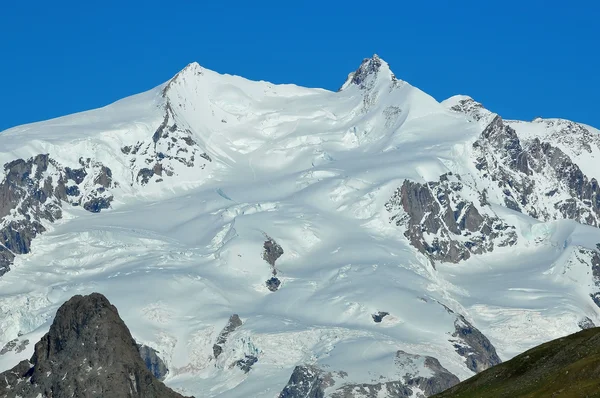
(153, 362)
(306, 382)
(440, 381)
(586, 323)
(15, 345)
(233, 323)
(505, 141)
(536, 177)
(32, 192)
(88, 352)
(272, 251)
(312, 382)
(565, 367)
(441, 218)
(369, 66)
(378, 317)
(172, 145)
(572, 135)
(246, 363)
(273, 284)
(478, 351)
(442, 224)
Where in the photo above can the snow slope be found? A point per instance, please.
(181, 250)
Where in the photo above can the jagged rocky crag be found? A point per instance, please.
(88, 352)
(442, 223)
(33, 191)
(309, 381)
(233, 324)
(535, 176)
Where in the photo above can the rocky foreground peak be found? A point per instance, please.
(88, 352)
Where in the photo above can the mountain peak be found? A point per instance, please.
(369, 71)
(86, 334)
(193, 69)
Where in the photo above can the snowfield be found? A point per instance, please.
(312, 169)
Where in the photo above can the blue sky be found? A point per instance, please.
(521, 59)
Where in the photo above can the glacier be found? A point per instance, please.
(206, 167)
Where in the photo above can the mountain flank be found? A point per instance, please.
(568, 367)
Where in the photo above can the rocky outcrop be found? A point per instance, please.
(442, 224)
(441, 380)
(15, 345)
(234, 323)
(584, 202)
(153, 362)
(307, 382)
(470, 343)
(507, 145)
(88, 352)
(379, 315)
(172, 145)
(272, 251)
(273, 284)
(574, 136)
(536, 177)
(33, 191)
(586, 323)
(246, 363)
(313, 382)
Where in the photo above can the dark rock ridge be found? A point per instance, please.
(153, 362)
(88, 352)
(478, 351)
(234, 323)
(32, 192)
(442, 224)
(308, 381)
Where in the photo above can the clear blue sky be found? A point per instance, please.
(521, 58)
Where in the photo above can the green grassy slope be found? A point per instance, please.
(566, 367)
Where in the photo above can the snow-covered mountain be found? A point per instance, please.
(272, 239)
